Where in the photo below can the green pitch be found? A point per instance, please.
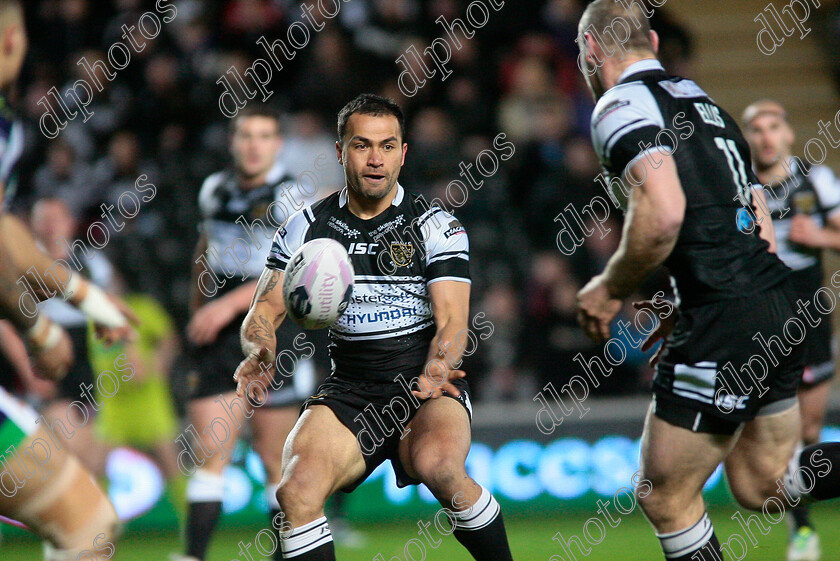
(530, 538)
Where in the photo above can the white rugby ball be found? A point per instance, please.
(318, 283)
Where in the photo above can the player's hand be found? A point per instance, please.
(665, 327)
(52, 358)
(596, 309)
(208, 321)
(122, 334)
(805, 231)
(437, 378)
(252, 368)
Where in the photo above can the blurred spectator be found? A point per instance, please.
(66, 178)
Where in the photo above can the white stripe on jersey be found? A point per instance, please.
(621, 110)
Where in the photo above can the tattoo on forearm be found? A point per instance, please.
(260, 331)
(265, 286)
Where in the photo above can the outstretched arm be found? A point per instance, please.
(450, 307)
(267, 311)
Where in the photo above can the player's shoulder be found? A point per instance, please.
(624, 103)
(304, 218)
(822, 176)
(210, 189)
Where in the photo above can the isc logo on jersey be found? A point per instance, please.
(730, 402)
(362, 248)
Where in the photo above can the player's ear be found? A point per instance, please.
(592, 49)
(404, 150)
(654, 41)
(338, 152)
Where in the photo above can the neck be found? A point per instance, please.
(253, 181)
(612, 72)
(366, 208)
(777, 170)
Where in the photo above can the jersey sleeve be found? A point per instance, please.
(827, 187)
(288, 238)
(447, 248)
(207, 196)
(625, 124)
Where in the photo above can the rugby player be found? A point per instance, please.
(410, 306)
(683, 165)
(41, 483)
(229, 256)
(805, 208)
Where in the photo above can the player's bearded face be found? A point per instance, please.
(770, 138)
(372, 155)
(254, 145)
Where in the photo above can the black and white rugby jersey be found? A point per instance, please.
(224, 209)
(11, 149)
(814, 191)
(396, 255)
(649, 111)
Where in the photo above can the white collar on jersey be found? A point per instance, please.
(342, 197)
(641, 66)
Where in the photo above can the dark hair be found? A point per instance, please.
(370, 104)
(255, 110)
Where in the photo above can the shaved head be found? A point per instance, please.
(619, 27)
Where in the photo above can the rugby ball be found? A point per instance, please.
(318, 283)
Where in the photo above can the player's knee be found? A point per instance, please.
(439, 472)
(300, 496)
(657, 504)
(753, 491)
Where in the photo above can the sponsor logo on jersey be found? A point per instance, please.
(343, 228)
(381, 298)
(454, 228)
(384, 315)
(682, 88)
(401, 253)
(731, 402)
(383, 229)
(610, 107)
(363, 248)
(282, 232)
(259, 210)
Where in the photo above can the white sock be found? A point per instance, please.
(306, 538)
(479, 515)
(682, 542)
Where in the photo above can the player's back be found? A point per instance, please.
(650, 112)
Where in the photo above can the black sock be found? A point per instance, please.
(823, 462)
(201, 521)
(801, 518)
(481, 530)
(695, 543)
(309, 542)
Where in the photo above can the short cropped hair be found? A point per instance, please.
(254, 110)
(602, 14)
(370, 104)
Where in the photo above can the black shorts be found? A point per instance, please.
(213, 365)
(354, 403)
(819, 356)
(80, 371)
(711, 376)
